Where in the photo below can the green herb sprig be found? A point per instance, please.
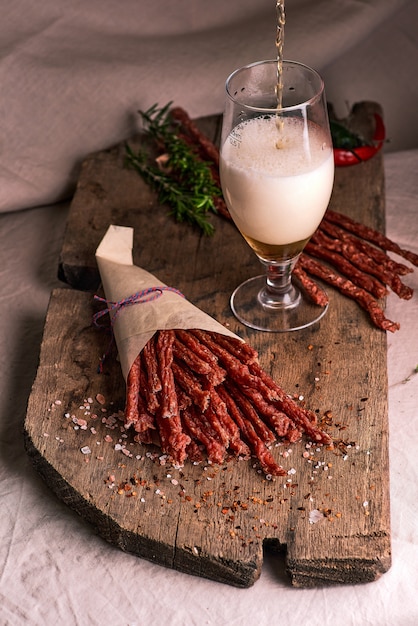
(183, 182)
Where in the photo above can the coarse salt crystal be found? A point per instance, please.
(100, 398)
(315, 516)
(85, 450)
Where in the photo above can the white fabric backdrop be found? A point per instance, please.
(72, 76)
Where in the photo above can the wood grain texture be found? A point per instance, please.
(207, 520)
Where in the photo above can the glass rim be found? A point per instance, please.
(266, 109)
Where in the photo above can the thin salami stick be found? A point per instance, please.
(133, 383)
(182, 117)
(393, 280)
(361, 261)
(206, 150)
(194, 453)
(240, 349)
(369, 234)
(149, 366)
(347, 288)
(212, 418)
(255, 443)
(249, 413)
(145, 421)
(377, 254)
(238, 371)
(168, 397)
(217, 372)
(281, 423)
(315, 292)
(172, 438)
(185, 378)
(190, 358)
(200, 431)
(235, 442)
(305, 420)
(347, 268)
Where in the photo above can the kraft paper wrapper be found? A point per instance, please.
(135, 324)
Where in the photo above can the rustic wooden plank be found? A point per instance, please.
(205, 520)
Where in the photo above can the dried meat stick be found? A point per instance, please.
(255, 443)
(369, 234)
(237, 370)
(217, 374)
(207, 151)
(190, 358)
(249, 412)
(240, 349)
(182, 117)
(347, 268)
(173, 439)
(185, 378)
(136, 413)
(200, 431)
(211, 417)
(152, 384)
(347, 288)
(339, 234)
(314, 291)
(168, 396)
(133, 383)
(282, 424)
(235, 442)
(194, 453)
(304, 419)
(364, 262)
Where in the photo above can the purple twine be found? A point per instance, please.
(141, 297)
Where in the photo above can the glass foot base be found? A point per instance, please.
(248, 309)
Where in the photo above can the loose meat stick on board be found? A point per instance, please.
(202, 395)
(355, 250)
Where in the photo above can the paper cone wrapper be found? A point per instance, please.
(135, 324)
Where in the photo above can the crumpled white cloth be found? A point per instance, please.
(74, 74)
(54, 569)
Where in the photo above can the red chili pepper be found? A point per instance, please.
(343, 157)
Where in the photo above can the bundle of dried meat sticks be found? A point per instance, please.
(205, 396)
(192, 386)
(355, 256)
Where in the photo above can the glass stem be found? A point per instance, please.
(279, 291)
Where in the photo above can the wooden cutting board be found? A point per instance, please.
(329, 516)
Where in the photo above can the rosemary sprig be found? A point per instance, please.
(184, 182)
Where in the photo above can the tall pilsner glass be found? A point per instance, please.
(277, 172)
